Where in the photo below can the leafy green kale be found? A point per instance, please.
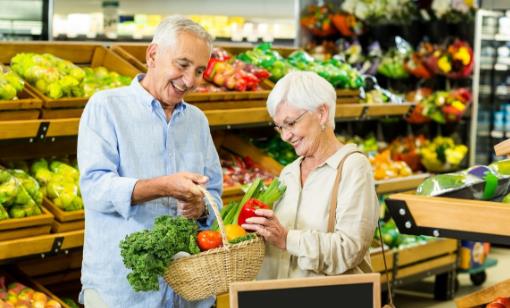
(147, 253)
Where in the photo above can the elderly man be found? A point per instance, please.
(142, 153)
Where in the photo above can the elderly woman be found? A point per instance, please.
(302, 238)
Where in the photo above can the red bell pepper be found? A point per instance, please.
(249, 209)
(209, 71)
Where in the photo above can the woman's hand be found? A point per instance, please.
(268, 226)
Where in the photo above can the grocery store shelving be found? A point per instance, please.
(451, 217)
(45, 245)
(400, 184)
(38, 129)
(48, 128)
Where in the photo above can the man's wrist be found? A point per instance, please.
(205, 212)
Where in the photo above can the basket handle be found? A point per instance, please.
(216, 211)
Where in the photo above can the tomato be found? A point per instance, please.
(234, 231)
(495, 305)
(208, 239)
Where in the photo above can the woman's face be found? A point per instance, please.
(298, 127)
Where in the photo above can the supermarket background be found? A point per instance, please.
(423, 88)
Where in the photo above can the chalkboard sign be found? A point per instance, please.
(348, 291)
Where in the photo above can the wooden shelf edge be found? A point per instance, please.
(20, 129)
(400, 184)
(467, 219)
(41, 244)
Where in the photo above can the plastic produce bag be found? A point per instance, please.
(393, 62)
(30, 184)
(15, 198)
(442, 183)
(502, 167)
(60, 183)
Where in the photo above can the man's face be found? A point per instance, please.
(176, 69)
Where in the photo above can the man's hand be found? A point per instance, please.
(183, 186)
(191, 210)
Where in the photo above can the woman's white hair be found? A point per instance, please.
(303, 90)
(167, 30)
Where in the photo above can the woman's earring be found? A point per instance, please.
(323, 127)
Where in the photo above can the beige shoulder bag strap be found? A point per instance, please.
(332, 220)
(336, 185)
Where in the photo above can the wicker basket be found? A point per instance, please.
(211, 272)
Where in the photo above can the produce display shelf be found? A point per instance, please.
(257, 115)
(17, 129)
(81, 54)
(38, 129)
(42, 244)
(400, 184)
(26, 100)
(450, 217)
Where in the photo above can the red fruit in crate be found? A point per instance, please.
(495, 305)
(16, 287)
(503, 300)
(23, 304)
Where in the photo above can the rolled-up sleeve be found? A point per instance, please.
(356, 219)
(102, 188)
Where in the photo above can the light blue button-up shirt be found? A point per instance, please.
(124, 136)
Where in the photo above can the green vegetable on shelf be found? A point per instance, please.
(60, 182)
(3, 213)
(441, 182)
(57, 78)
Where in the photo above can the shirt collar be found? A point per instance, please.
(332, 161)
(146, 97)
(335, 159)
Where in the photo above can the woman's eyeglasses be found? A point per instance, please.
(289, 126)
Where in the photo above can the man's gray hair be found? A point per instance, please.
(303, 90)
(167, 30)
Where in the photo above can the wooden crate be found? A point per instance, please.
(237, 145)
(26, 100)
(376, 258)
(467, 219)
(135, 55)
(14, 275)
(65, 221)
(54, 264)
(40, 244)
(485, 296)
(61, 113)
(19, 115)
(26, 107)
(81, 54)
(415, 260)
(15, 228)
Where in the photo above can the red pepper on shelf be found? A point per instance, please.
(209, 71)
(249, 209)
